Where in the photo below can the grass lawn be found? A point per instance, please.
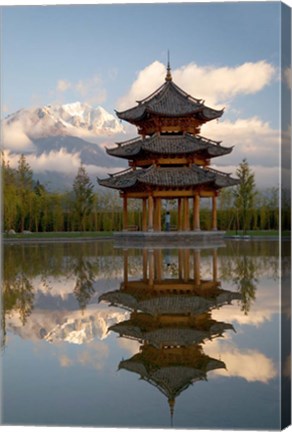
(259, 233)
(98, 234)
(48, 235)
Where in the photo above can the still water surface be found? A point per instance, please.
(100, 335)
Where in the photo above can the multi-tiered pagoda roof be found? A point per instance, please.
(160, 331)
(172, 371)
(169, 101)
(170, 145)
(168, 177)
(170, 160)
(169, 299)
(171, 318)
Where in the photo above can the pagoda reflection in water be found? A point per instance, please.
(170, 315)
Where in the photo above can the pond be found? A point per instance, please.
(99, 335)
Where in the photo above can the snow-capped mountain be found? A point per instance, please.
(75, 119)
(56, 139)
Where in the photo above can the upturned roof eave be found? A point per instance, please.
(118, 152)
(132, 148)
(189, 113)
(159, 177)
(223, 179)
(142, 106)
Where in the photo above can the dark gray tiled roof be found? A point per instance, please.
(182, 336)
(172, 379)
(172, 177)
(169, 145)
(169, 304)
(171, 101)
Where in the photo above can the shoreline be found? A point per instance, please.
(53, 240)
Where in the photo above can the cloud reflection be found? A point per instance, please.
(249, 364)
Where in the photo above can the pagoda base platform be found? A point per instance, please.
(161, 239)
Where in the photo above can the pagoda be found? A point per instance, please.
(169, 160)
(171, 318)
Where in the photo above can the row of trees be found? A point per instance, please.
(28, 205)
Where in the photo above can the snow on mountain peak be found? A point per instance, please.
(73, 119)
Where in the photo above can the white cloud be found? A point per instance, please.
(63, 85)
(60, 161)
(90, 90)
(264, 309)
(5, 109)
(129, 345)
(256, 318)
(15, 139)
(148, 80)
(249, 364)
(265, 177)
(216, 85)
(94, 355)
(253, 140)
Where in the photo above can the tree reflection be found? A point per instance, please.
(85, 276)
(17, 296)
(243, 270)
(246, 281)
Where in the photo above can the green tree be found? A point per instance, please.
(10, 198)
(83, 197)
(226, 209)
(25, 187)
(244, 194)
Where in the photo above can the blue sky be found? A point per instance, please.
(42, 45)
(110, 55)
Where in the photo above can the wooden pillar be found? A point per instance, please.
(150, 213)
(179, 214)
(186, 215)
(180, 263)
(215, 265)
(186, 275)
(145, 260)
(125, 212)
(144, 215)
(151, 267)
(157, 214)
(158, 204)
(197, 262)
(125, 266)
(214, 213)
(158, 264)
(196, 213)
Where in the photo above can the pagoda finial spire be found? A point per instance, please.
(168, 75)
(171, 403)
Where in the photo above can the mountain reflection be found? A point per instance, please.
(58, 294)
(175, 310)
(170, 308)
(46, 296)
